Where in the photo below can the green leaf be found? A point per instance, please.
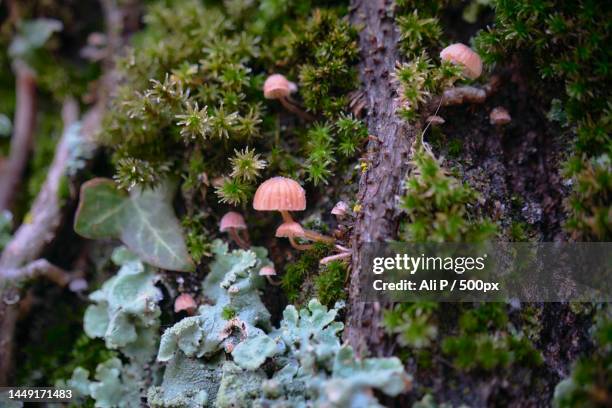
(143, 220)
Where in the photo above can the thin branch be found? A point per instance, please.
(31, 238)
(39, 268)
(23, 134)
(28, 243)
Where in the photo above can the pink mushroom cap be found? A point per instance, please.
(463, 55)
(280, 194)
(290, 230)
(499, 116)
(277, 86)
(232, 220)
(185, 302)
(267, 271)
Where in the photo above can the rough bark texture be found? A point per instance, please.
(387, 159)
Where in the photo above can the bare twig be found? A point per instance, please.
(23, 134)
(39, 268)
(28, 244)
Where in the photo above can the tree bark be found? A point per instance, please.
(387, 159)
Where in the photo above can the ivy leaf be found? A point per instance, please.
(143, 220)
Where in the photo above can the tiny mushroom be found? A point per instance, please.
(435, 120)
(463, 55)
(233, 223)
(499, 116)
(340, 210)
(78, 285)
(185, 302)
(278, 87)
(292, 230)
(269, 271)
(284, 194)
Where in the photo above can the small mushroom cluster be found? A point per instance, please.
(283, 194)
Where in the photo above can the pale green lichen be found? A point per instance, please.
(214, 359)
(125, 313)
(310, 365)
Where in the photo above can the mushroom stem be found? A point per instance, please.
(336, 257)
(293, 108)
(244, 234)
(301, 247)
(286, 216)
(272, 281)
(237, 239)
(315, 236)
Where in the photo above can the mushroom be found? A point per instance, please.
(78, 285)
(233, 223)
(185, 302)
(269, 271)
(435, 120)
(463, 55)
(499, 116)
(340, 210)
(292, 230)
(284, 194)
(278, 87)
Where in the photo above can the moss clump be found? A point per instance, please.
(323, 49)
(589, 204)
(488, 352)
(297, 272)
(439, 207)
(590, 381)
(484, 341)
(414, 323)
(196, 237)
(567, 42)
(329, 283)
(228, 313)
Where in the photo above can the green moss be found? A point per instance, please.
(484, 341)
(323, 49)
(197, 237)
(329, 283)
(567, 43)
(228, 313)
(518, 231)
(590, 382)
(414, 324)
(438, 206)
(297, 272)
